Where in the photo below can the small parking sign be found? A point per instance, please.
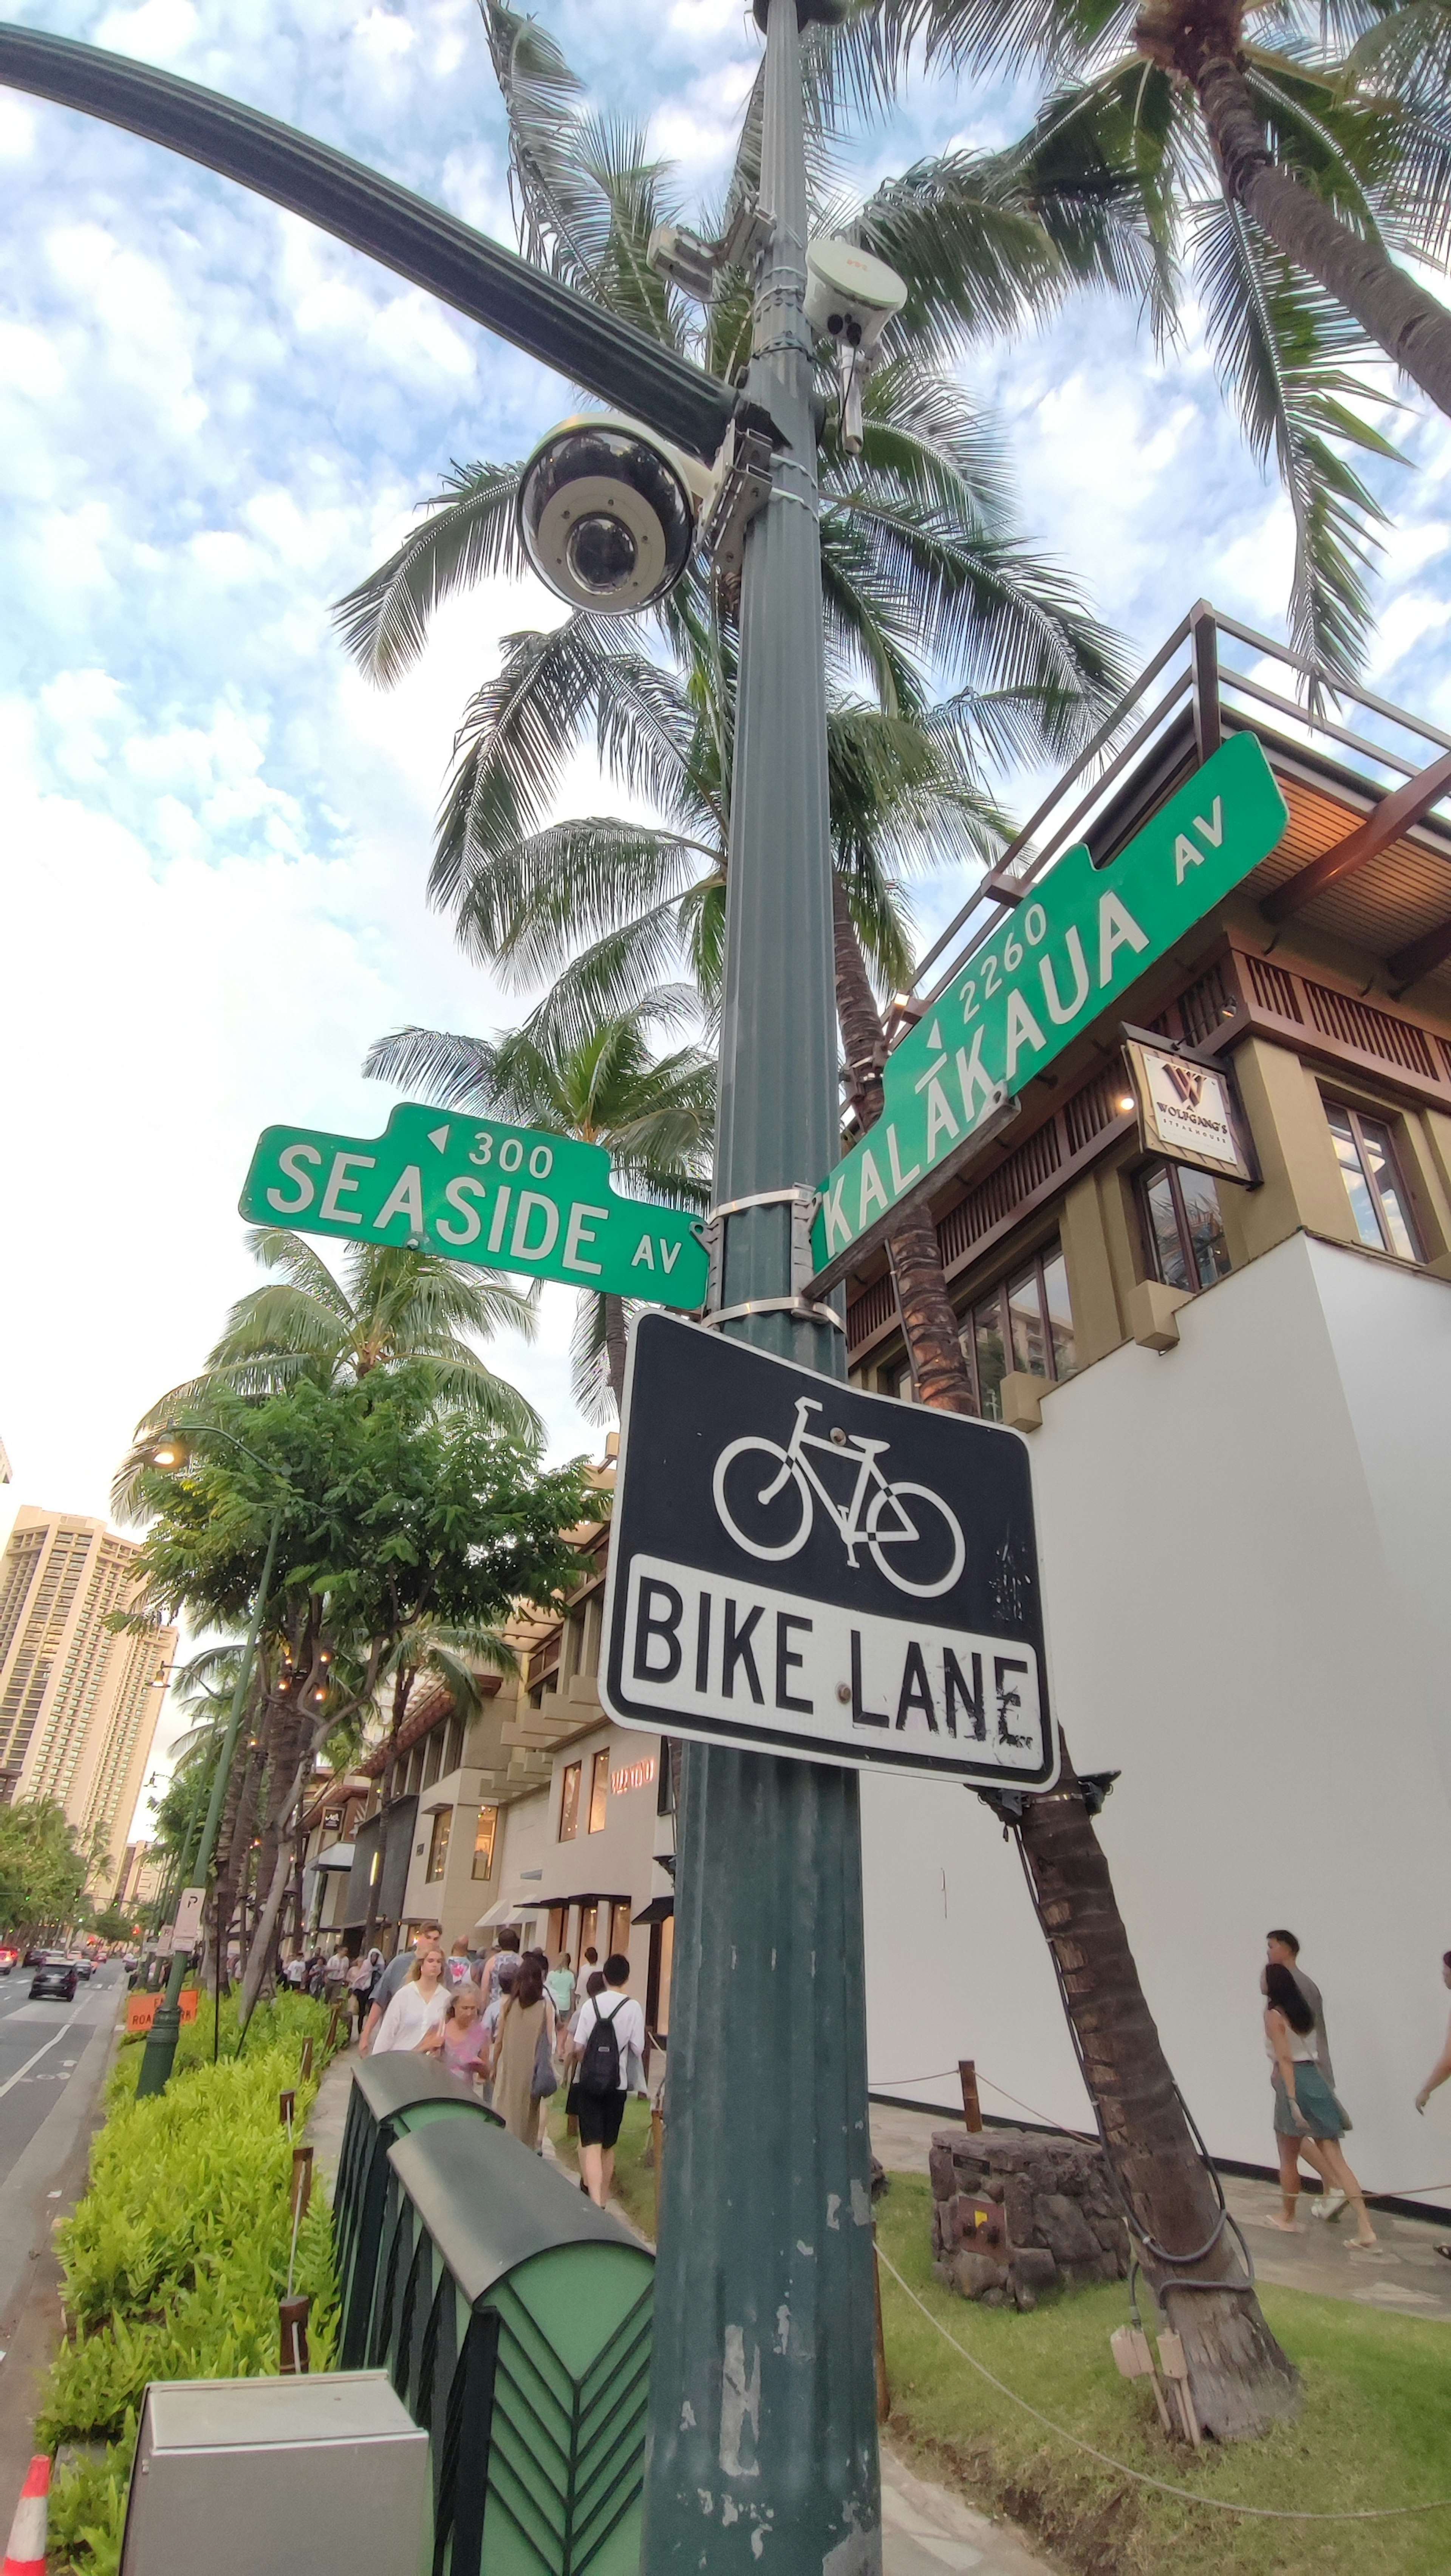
(800, 1568)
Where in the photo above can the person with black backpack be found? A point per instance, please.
(609, 2038)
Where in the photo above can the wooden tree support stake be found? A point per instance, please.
(293, 2316)
(301, 2183)
(971, 2107)
(286, 2108)
(305, 2068)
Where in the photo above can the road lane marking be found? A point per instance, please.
(30, 2061)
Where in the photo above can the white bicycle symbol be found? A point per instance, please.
(877, 1515)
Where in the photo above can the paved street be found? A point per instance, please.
(53, 2059)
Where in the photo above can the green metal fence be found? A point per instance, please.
(392, 2096)
(514, 2318)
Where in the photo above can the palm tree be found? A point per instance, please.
(392, 1304)
(653, 1116)
(1281, 175)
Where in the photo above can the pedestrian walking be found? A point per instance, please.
(1308, 2119)
(460, 1965)
(609, 2035)
(425, 1935)
(460, 2041)
(560, 1986)
(504, 1955)
(363, 1976)
(1282, 1950)
(418, 2005)
(1442, 2067)
(520, 2082)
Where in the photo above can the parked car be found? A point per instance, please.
(83, 1963)
(55, 1975)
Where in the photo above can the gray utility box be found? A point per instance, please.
(261, 2477)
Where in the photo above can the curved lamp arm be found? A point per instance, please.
(610, 358)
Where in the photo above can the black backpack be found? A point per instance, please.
(599, 2068)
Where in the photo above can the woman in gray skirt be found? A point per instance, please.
(1308, 2119)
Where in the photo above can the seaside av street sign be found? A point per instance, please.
(799, 1568)
(508, 1198)
(1060, 960)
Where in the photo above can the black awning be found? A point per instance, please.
(657, 1911)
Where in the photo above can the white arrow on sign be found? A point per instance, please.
(438, 1136)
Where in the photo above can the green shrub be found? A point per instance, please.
(175, 2260)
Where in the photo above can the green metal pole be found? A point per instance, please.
(165, 2031)
(763, 2443)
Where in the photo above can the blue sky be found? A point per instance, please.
(212, 421)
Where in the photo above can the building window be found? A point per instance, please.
(486, 1833)
(1378, 1198)
(438, 1844)
(569, 1803)
(1025, 1324)
(455, 1753)
(432, 1757)
(1183, 1227)
(599, 1790)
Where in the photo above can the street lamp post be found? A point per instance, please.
(763, 2415)
(763, 2442)
(165, 2031)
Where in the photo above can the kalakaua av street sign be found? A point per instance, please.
(800, 1568)
(508, 1198)
(1063, 957)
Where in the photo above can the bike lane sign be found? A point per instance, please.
(800, 1568)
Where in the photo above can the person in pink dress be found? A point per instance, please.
(460, 2041)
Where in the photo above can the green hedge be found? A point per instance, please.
(176, 2258)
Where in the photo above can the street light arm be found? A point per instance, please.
(610, 358)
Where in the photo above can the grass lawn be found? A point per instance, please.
(1375, 2429)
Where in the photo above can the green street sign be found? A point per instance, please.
(1063, 957)
(509, 1198)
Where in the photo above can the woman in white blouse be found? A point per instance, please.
(419, 2005)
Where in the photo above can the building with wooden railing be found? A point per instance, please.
(1238, 1406)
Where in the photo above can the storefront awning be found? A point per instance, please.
(337, 1856)
(659, 1910)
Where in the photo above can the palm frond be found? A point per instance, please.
(471, 535)
(1284, 346)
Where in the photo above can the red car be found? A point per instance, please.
(8, 1958)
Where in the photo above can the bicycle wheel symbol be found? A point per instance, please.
(766, 1505)
(925, 1532)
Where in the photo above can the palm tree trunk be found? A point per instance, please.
(1239, 2379)
(616, 1346)
(1410, 325)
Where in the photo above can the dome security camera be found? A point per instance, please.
(607, 512)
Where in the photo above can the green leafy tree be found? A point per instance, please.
(654, 1117)
(393, 1305)
(405, 1537)
(43, 1867)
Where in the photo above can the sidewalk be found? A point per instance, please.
(1403, 2273)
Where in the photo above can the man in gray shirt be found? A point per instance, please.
(393, 1976)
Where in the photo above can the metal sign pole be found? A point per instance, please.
(763, 2416)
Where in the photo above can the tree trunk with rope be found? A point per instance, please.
(1412, 327)
(1240, 2382)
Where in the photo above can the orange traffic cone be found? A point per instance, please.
(25, 2554)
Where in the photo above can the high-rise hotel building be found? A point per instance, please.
(79, 1700)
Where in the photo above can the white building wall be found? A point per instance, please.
(1246, 1580)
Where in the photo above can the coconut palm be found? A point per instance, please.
(392, 1304)
(654, 1117)
(1283, 176)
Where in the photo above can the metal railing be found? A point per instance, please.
(1213, 689)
